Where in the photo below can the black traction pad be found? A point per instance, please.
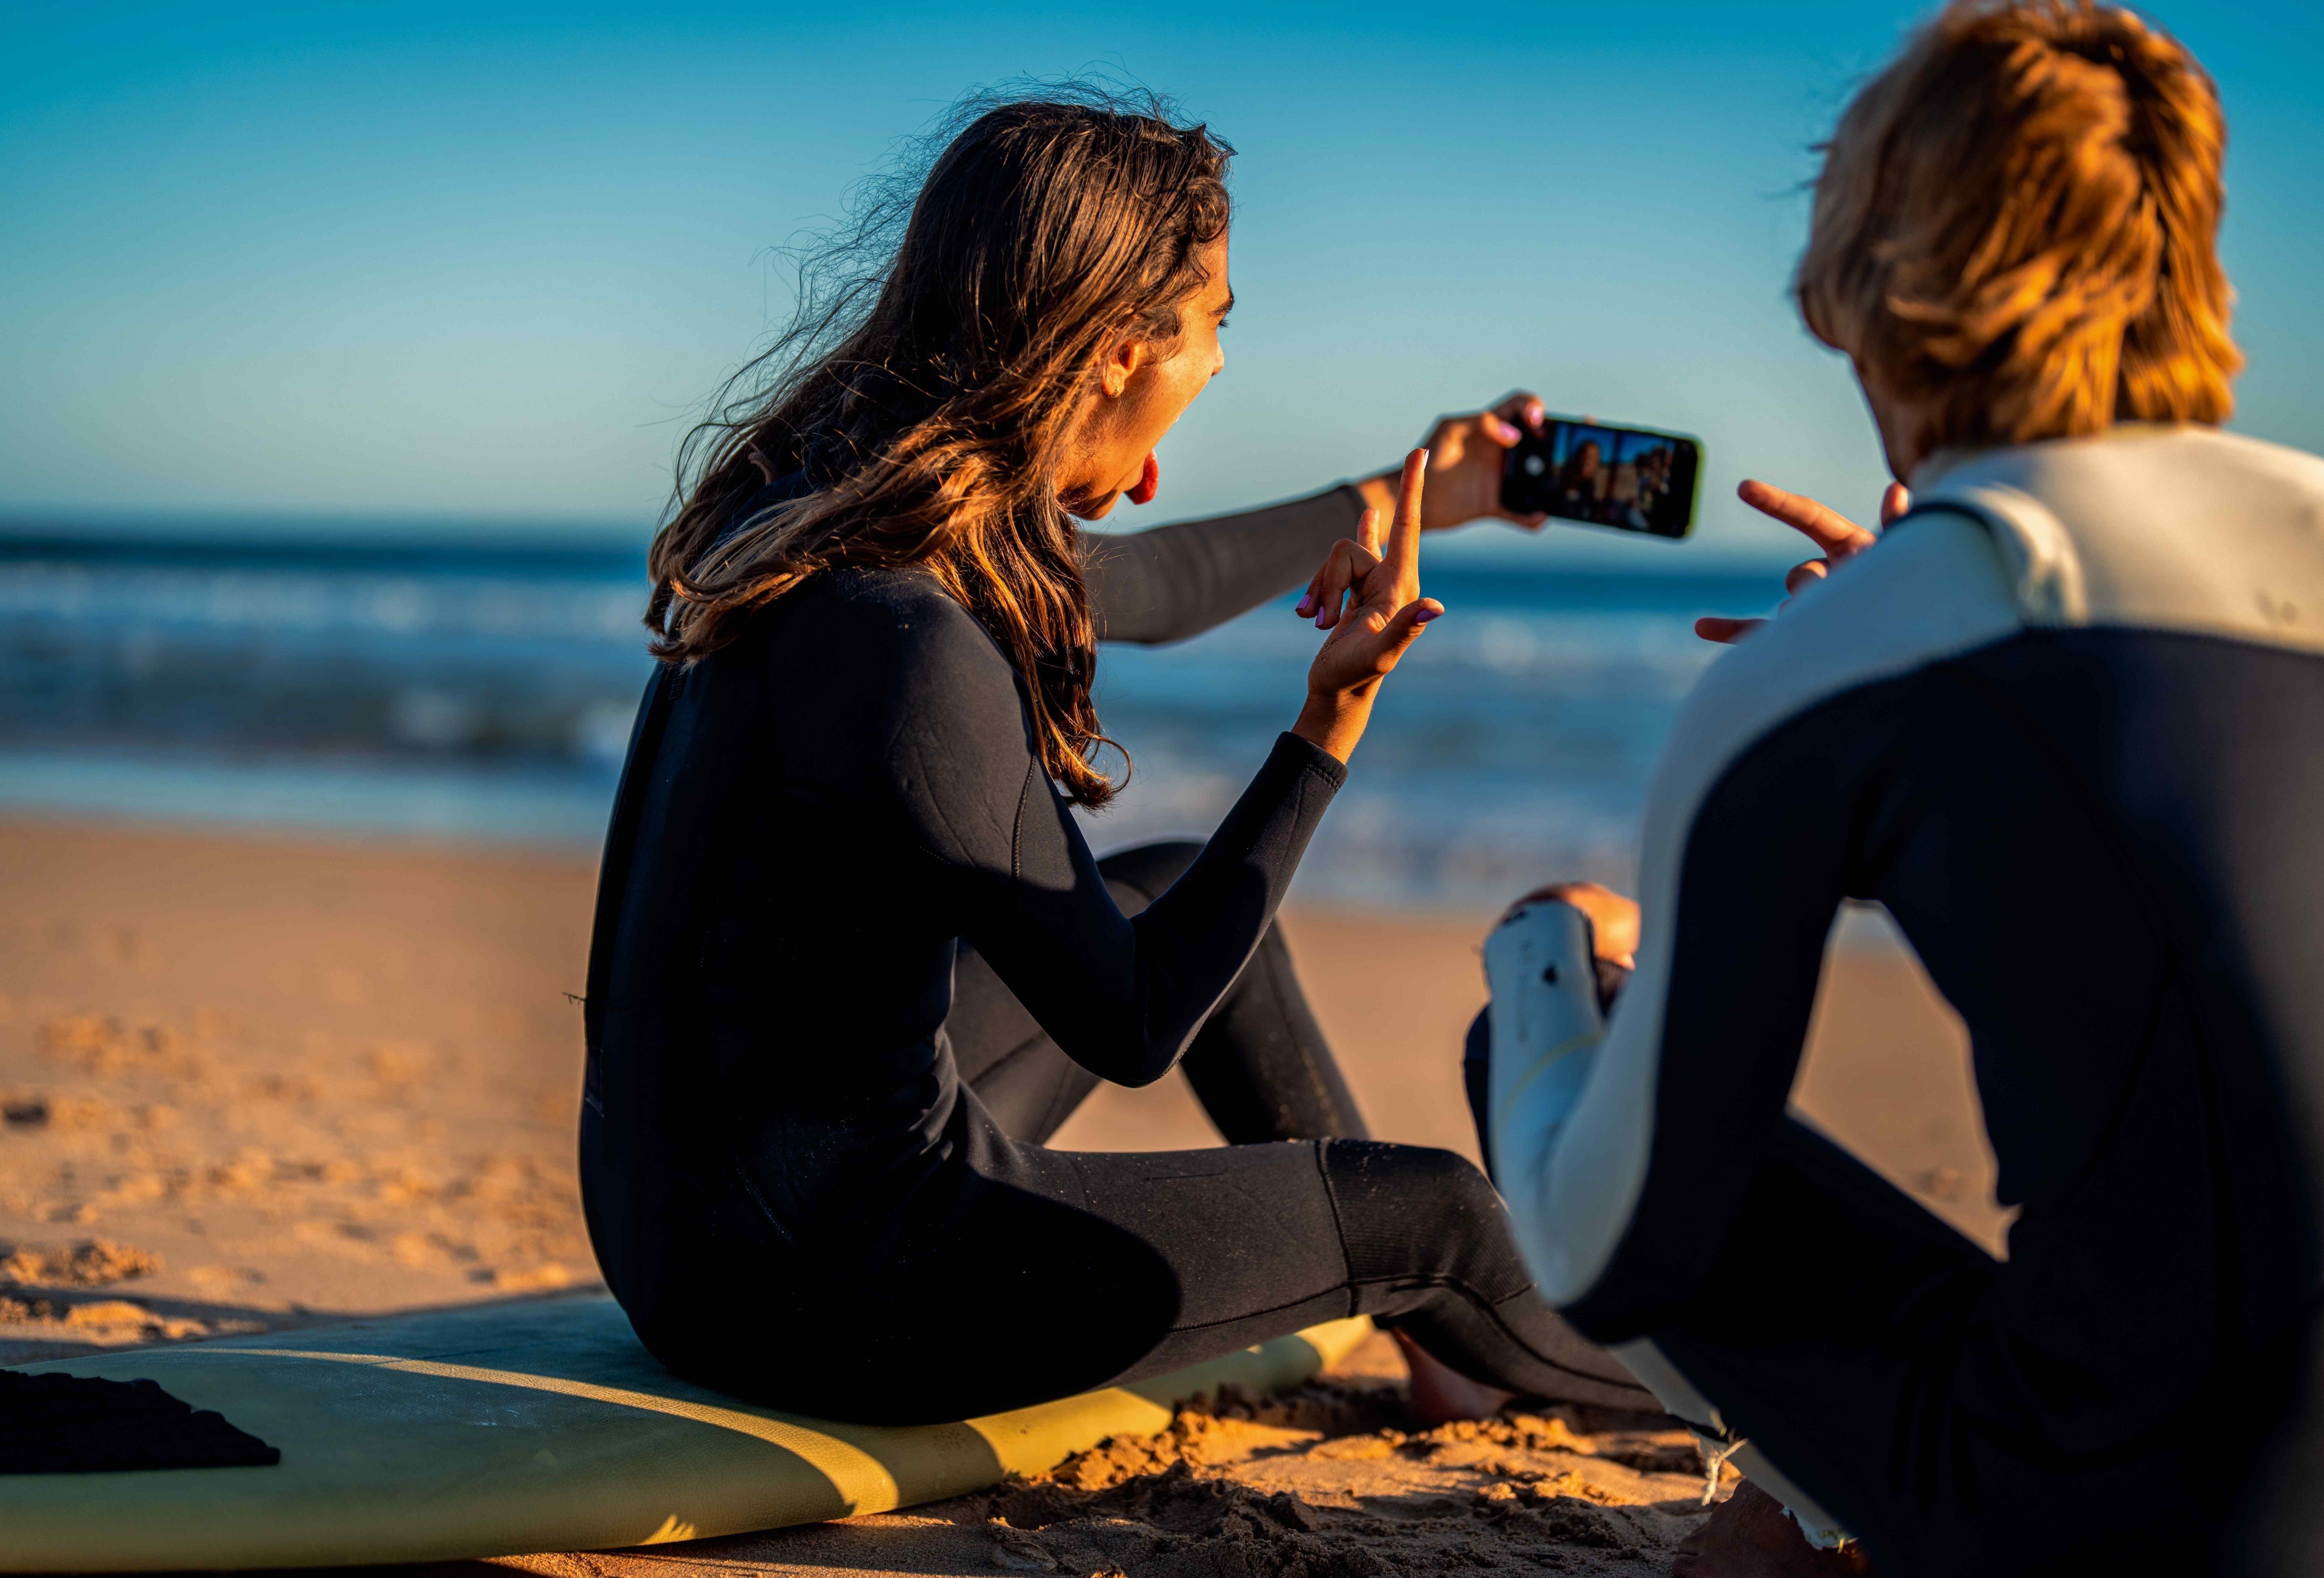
(79, 1424)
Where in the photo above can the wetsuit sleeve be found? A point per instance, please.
(1623, 1144)
(1180, 580)
(1123, 997)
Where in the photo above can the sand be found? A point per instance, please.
(251, 1085)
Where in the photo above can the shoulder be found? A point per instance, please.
(1933, 588)
(888, 653)
(931, 701)
(865, 655)
(2164, 528)
(904, 604)
(898, 625)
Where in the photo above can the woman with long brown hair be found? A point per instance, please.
(853, 963)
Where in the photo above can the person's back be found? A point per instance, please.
(2064, 724)
(2066, 720)
(2084, 779)
(2145, 762)
(773, 840)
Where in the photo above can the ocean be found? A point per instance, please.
(483, 692)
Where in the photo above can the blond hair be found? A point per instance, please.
(2014, 228)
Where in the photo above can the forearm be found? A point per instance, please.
(1195, 940)
(1377, 492)
(1547, 1033)
(1124, 998)
(1180, 580)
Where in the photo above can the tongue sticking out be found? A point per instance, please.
(1148, 481)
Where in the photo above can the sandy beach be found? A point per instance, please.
(259, 1084)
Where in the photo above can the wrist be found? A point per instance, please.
(1332, 723)
(1446, 505)
(1379, 493)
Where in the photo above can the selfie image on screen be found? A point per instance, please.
(1616, 476)
(1632, 479)
(1582, 466)
(1646, 493)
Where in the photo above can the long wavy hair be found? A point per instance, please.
(925, 391)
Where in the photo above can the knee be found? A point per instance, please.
(1409, 1209)
(1141, 875)
(1460, 1186)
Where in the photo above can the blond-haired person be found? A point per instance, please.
(2065, 718)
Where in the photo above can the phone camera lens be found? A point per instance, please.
(1535, 465)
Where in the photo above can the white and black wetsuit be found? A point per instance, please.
(2066, 721)
(854, 963)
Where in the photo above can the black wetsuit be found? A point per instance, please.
(2066, 721)
(853, 963)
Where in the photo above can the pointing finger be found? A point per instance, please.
(1826, 528)
(1895, 499)
(1368, 530)
(1403, 552)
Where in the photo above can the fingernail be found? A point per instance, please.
(1426, 614)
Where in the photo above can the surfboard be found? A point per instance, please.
(530, 1427)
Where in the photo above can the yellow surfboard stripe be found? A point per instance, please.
(568, 1437)
(862, 1481)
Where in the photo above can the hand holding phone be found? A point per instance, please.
(1632, 479)
(1464, 466)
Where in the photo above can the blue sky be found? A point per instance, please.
(481, 261)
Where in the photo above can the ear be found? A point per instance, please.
(1121, 364)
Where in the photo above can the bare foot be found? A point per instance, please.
(1441, 1394)
(1750, 1535)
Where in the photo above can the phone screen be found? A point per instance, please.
(1633, 479)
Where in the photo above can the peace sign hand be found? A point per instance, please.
(1367, 594)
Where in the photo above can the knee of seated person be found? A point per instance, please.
(1426, 1210)
(1149, 870)
(1462, 1185)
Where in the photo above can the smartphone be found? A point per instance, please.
(1633, 479)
